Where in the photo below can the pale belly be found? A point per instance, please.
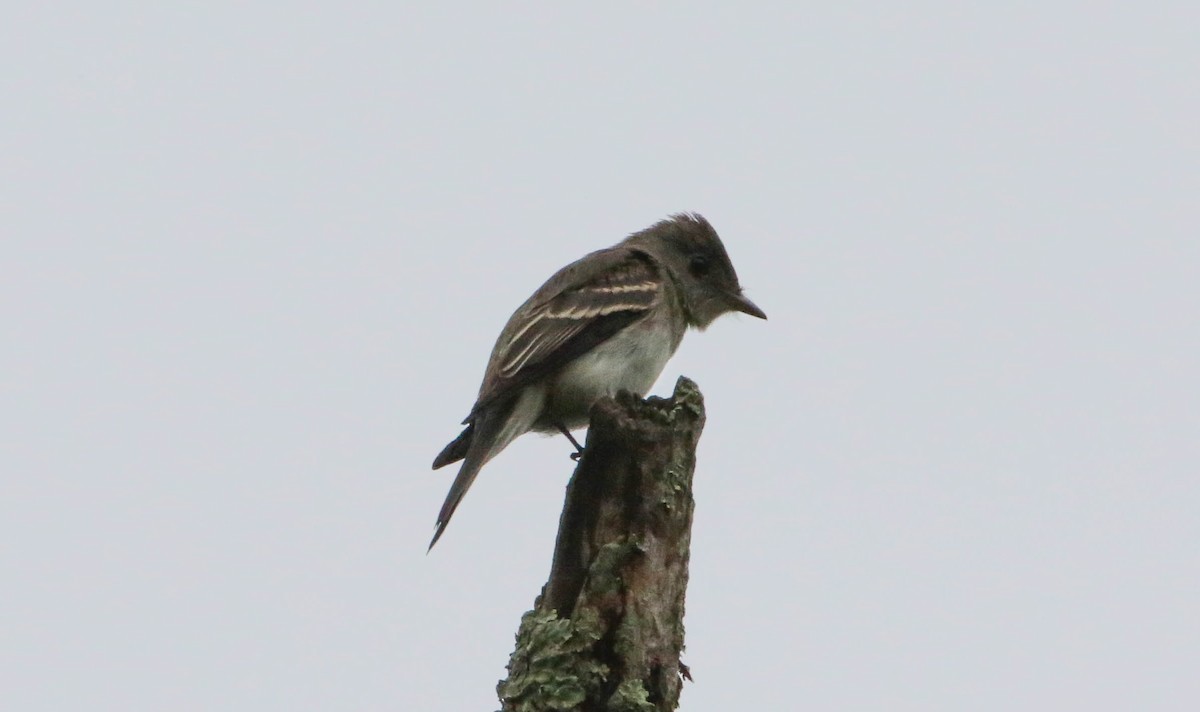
(630, 361)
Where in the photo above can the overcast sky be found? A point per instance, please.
(255, 256)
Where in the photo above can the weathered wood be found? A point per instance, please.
(607, 630)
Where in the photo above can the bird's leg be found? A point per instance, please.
(578, 448)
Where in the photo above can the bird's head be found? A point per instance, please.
(689, 248)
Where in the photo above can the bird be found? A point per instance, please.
(607, 322)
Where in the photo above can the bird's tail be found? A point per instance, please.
(491, 430)
(466, 475)
(457, 449)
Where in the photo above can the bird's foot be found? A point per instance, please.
(578, 448)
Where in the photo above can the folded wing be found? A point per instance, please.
(550, 330)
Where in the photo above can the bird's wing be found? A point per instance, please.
(581, 306)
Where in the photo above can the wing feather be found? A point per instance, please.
(552, 329)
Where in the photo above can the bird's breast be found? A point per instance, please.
(630, 360)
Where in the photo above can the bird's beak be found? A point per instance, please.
(745, 306)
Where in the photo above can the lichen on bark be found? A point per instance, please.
(606, 632)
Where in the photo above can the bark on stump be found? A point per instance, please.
(607, 630)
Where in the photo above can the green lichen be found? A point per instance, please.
(687, 397)
(627, 641)
(675, 486)
(631, 696)
(604, 575)
(550, 670)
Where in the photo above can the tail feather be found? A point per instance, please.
(457, 449)
(483, 438)
(489, 432)
(466, 476)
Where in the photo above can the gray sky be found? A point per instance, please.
(255, 258)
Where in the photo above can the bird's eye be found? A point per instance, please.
(699, 265)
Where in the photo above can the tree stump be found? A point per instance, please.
(607, 630)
